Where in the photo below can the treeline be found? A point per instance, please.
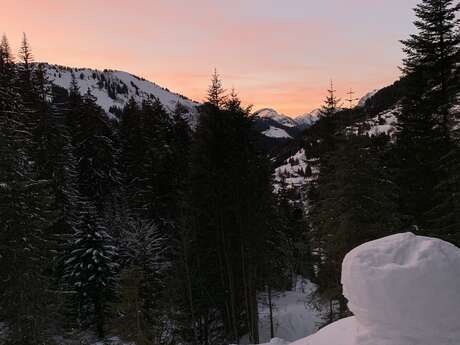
(140, 228)
(370, 187)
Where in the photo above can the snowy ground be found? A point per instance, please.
(383, 123)
(293, 317)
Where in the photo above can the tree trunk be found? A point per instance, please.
(270, 308)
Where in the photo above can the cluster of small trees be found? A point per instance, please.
(140, 227)
(372, 187)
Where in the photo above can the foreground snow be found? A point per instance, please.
(342, 332)
(403, 290)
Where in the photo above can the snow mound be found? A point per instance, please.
(404, 289)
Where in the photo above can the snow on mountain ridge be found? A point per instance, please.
(113, 89)
(362, 101)
(308, 119)
(272, 114)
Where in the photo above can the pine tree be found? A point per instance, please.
(6, 58)
(231, 196)
(26, 214)
(157, 194)
(445, 215)
(216, 93)
(432, 53)
(93, 139)
(356, 203)
(90, 269)
(425, 119)
(331, 103)
(142, 285)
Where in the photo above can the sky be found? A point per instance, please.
(276, 53)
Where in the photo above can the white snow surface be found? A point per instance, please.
(293, 316)
(275, 132)
(342, 332)
(403, 290)
(139, 89)
(383, 123)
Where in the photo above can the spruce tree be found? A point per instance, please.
(142, 287)
(231, 196)
(93, 139)
(356, 203)
(331, 103)
(425, 119)
(26, 214)
(216, 92)
(90, 269)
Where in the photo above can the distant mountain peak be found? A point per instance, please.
(272, 114)
(308, 119)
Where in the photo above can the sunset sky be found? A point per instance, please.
(276, 53)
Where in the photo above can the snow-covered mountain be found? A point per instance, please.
(113, 89)
(308, 119)
(272, 114)
(279, 126)
(274, 126)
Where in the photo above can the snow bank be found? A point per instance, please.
(342, 332)
(403, 290)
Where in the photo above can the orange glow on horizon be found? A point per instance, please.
(278, 60)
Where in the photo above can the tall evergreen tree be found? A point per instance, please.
(26, 214)
(331, 103)
(231, 196)
(142, 287)
(425, 119)
(90, 269)
(93, 139)
(216, 92)
(356, 203)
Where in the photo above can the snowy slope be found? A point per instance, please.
(115, 88)
(294, 172)
(275, 132)
(383, 123)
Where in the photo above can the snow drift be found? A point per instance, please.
(403, 290)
